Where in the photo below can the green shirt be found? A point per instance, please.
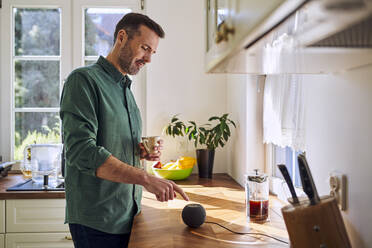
(99, 117)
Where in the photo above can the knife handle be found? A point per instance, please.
(307, 180)
(287, 178)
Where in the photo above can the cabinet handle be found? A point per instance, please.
(223, 32)
(68, 237)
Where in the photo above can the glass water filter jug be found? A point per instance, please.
(45, 160)
(257, 197)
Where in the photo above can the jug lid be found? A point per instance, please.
(257, 177)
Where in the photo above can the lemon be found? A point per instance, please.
(186, 162)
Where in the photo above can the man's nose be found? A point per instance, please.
(147, 58)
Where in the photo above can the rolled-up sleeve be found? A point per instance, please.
(78, 112)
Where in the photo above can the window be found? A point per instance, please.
(288, 157)
(278, 155)
(38, 51)
(99, 28)
(35, 76)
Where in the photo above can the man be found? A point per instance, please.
(102, 131)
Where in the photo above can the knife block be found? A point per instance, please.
(319, 225)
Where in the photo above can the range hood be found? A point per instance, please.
(316, 36)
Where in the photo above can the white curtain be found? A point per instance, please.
(284, 111)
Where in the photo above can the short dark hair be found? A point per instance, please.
(131, 23)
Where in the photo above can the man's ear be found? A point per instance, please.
(122, 36)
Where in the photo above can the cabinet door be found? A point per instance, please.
(2, 241)
(219, 35)
(39, 240)
(2, 216)
(35, 215)
(233, 24)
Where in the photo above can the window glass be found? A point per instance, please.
(36, 76)
(288, 157)
(90, 62)
(100, 26)
(36, 83)
(36, 31)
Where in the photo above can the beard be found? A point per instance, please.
(126, 61)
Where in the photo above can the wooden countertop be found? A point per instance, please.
(13, 179)
(160, 223)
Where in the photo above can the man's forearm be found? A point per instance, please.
(117, 171)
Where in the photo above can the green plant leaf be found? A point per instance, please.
(225, 136)
(213, 118)
(228, 130)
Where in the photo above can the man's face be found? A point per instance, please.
(135, 53)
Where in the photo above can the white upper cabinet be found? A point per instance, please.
(287, 36)
(228, 24)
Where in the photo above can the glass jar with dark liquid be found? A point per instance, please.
(257, 197)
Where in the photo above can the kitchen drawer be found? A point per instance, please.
(2, 240)
(35, 215)
(39, 240)
(2, 216)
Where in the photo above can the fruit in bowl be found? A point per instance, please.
(175, 170)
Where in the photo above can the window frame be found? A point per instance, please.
(8, 109)
(278, 186)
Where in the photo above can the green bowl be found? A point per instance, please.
(176, 174)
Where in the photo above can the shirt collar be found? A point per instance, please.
(116, 75)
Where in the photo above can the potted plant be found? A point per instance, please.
(211, 135)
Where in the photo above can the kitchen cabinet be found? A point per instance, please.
(36, 223)
(35, 215)
(286, 37)
(2, 223)
(2, 216)
(32, 218)
(2, 241)
(40, 240)
(228, 24)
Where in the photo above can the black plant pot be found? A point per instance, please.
(205, 160)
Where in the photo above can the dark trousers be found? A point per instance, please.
(86, 237)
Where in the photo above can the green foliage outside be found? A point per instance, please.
(47, 137)
(211, 136)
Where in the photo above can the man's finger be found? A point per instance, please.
(171, 192)
(180, 191)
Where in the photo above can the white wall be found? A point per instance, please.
(244, 97)
(176, 82)
(339, 138)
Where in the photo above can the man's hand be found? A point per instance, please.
(151, 156)
(163, 189)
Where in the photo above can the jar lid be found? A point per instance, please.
(257, 177)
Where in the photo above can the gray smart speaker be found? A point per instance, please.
(193, 215)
